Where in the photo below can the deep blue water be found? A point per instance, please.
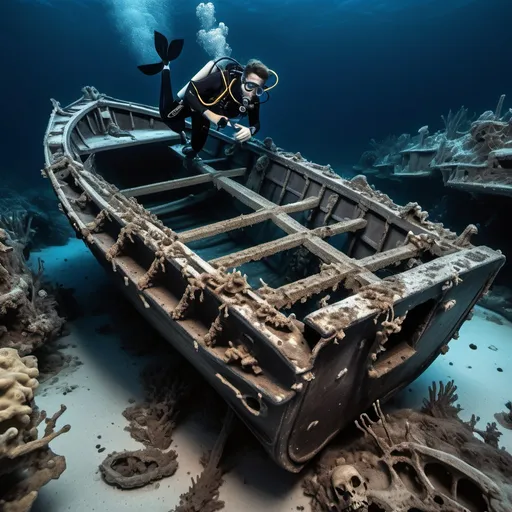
(350, 70)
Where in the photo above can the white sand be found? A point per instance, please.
(109, 378)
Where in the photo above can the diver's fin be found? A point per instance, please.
(161, 45)
(151, 69)
(174, 50)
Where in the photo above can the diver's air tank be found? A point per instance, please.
(202, 73)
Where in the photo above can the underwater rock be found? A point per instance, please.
(499, 300)
(505, 418)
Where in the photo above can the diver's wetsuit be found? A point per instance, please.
(174, 112)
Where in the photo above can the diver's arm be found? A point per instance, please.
(254, 118)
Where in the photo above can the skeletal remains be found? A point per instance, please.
(405, 477)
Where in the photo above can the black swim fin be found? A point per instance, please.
(166, 51)
(151, 69)
(161, 45)
(174, 49)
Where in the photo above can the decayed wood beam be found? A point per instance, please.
(340, 269)
(285, 184)
(181, 204)
(289, 224)
(223, 226)
(383, 259)
(260, 251)
(289, 294)
(189, 181)
(330, 254)
(264, 250)
(244, 194)
(214, 160)
(254, 200)
(242, 221)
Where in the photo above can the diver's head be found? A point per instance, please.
(253, 79)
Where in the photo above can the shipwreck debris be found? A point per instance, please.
(412, 461)
(132, 469)
(474, 155)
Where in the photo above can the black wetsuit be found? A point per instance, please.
(174, 112)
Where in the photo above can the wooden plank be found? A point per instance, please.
(244, 220)
(215, 160)
(183, 203)
(259, 251)
(386, 258)
(244, 194)
(189, 181)
(289, 294)
(264, 250)
(330, 254)
(104, 142)
(223, 226)
(164, 186)
(415, 281)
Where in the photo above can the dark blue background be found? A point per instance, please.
(345, 78)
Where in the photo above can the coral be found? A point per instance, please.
(203, 494)
(26, 462)
(156, 267)
(152, 423)
(33, 219)
(125, 235)
(490, 435)
(456, 124)
(28, 313)
(441, 403)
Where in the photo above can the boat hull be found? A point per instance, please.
(365, 295)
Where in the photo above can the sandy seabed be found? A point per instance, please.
(97, 392)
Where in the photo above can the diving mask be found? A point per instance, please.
(253, 86)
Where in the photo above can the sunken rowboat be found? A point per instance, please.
(300, 296)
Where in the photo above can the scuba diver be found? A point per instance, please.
(214, 95)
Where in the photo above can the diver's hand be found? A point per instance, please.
(214, 118)
(243, 133)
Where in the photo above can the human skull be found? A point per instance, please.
(349, 487)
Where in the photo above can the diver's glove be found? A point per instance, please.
(219, 121)
(243, 133)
